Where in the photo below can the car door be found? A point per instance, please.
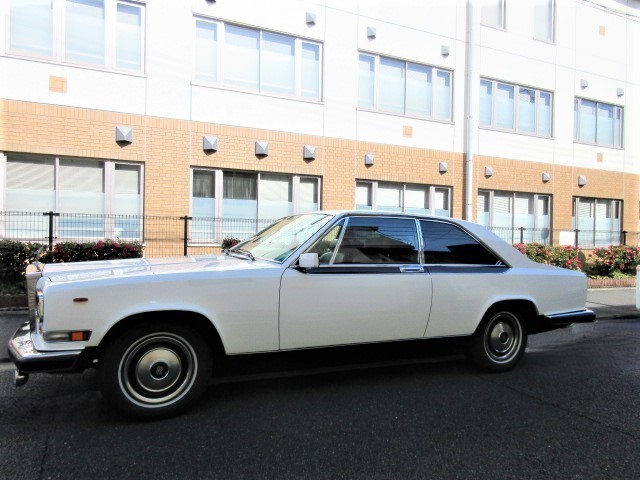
(466, 276)
(369, 287)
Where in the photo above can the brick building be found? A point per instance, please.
(517, 114)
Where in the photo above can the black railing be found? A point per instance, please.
(184, 235)
(161, 235)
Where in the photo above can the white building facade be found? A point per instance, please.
(517, 114)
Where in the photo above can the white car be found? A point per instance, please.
(154, 327)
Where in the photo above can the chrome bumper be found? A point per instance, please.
(27, 359)
(562, 319)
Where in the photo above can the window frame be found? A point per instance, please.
(299, 42)
(503, 16)
(58, 42)
(512, 197)
(577, 103)
(431, 191)
(345, 228)
(434, 104)
(109, 215)
(218, 174)
(500, 264)
(551, 40)
(617, 210)
(515, 111)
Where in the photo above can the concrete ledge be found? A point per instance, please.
(12, 302)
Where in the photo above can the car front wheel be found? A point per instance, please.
(500, 342)
(155, 370)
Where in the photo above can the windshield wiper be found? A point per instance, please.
(246, 253)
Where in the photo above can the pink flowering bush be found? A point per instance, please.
(15, 256)
(100, 250)
(565, 257)
(614, 260)
(229, 242)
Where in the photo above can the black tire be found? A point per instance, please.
(500, 342)
(155, 370)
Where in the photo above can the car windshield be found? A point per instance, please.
(278, 241)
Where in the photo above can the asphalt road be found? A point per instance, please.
(570, 410)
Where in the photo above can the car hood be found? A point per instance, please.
(65, 272)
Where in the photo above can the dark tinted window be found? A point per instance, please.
(446, 243)
(378, 240)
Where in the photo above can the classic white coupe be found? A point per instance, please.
(154, 327)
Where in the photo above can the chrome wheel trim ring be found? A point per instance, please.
(503, 337)
(157, 370)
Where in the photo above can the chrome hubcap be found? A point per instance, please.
(157, 369)
(503, 337)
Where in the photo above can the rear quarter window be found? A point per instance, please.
(444, 243)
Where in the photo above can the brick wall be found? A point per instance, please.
(168, 148)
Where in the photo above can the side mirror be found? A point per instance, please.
(308, 260)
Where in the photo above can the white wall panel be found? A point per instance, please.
(28, 80)
(382, 128)
(414, 30)
(340, 75)
(228, 107)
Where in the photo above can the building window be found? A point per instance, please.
(514, 216)
(598, 221)
(493, 13)
(404, 88)
(515, 108)
(103, 33)
(96, 198)
(597, 123)
(31, 28)
(237, 204)
(401, 197)
(257, 60)
(544, 20)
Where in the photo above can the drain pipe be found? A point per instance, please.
(471, 103)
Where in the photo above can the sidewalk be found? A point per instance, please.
(611, 303)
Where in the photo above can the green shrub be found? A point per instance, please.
(565, 257)
(101, 250)
(229, 242)
(538, 252)
(614, 260)
(15, 256)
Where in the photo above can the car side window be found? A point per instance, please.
(446, 243)
(378, 240)
(327, 244)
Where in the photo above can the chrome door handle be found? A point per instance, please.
(411, 270)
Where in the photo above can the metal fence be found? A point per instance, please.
(161, 235)
(586, 239)
(185, 235)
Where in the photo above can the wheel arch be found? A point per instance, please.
(195, 320)
(526, 307)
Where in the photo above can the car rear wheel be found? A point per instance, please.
(500, 342)
(155, 370)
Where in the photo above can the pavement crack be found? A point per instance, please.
(49, 435)
(561, 407)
